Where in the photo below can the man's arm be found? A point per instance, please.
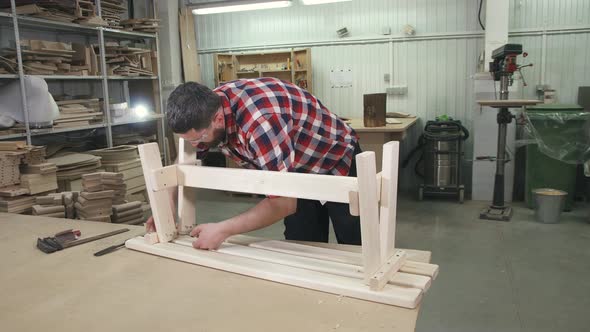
(265, 213)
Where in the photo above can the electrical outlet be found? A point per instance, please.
(398, 90)
(386, 77)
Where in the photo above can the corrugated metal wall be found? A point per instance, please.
(437, 69)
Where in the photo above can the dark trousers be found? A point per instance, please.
(311, 220)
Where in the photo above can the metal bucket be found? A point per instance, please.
(548, 204)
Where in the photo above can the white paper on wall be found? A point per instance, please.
(341, 78)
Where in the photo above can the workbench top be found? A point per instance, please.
(359, 127)
(72, 290)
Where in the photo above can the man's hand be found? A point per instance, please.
(210, 236)
(150, 226)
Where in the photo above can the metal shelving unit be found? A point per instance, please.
(101, 33)
(148, 119)
(49, 131)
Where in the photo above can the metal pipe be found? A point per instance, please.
(21, 72)
(382, 40)
(105, 83)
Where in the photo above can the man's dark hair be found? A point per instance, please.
(191, 106)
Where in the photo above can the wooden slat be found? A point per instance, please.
(159, 201)
(345, 286)
(388, 206)
(333, 255)
(314, 264)
(309, 186)
(369, 211)
(187, 196)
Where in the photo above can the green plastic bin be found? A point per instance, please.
(557, 125)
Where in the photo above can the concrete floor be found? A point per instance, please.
(495, 276)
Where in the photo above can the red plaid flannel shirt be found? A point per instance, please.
(275, 125)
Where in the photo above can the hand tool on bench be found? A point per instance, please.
(52, 244)
(109, 249)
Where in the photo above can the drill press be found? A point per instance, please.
(502, 68)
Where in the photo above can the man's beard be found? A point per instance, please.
(218, 137)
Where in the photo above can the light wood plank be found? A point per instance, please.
(159, 200)
(164, 178)
(388, 206)
(353, 206)
(309, 251)
(369, 211)
(187, 196)
(421, 268)
(314, 264)
(387, 270)
(333, 255)
(350, 287)
(309, 186)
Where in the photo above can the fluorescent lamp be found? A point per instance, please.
(320, 2)
(140, 111)
(240, 6)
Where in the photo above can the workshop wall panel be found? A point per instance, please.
(364, 19)
(548, 13)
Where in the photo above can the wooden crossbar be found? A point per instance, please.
(297, 185)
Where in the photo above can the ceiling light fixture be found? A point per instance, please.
(320, 2)
(238, 6)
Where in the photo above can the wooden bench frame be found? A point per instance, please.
(381, 273)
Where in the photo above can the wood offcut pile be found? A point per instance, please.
(128, 213)
(124, 160)
(111, 11)
(77, 11)
(53, 205)
(148, 25)
(42, 57)
(71, 167)
(101, 190)
(77, 112)
(24, 173)
(129, 59)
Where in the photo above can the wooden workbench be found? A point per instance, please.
(72, 290)
(372, 139)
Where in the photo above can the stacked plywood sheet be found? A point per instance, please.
(39, 178)
(95, 205)
(12, 145)
(11, 154)
(125, 60)
(128, 213)
(42, 57)
(78, 112)
(55, 10)
(58, 205)
(35, 155)
(73, 165)
(106, 181)
(79, 11)
(149, 25)
(23, 173)
(9, 168)
(111, 11)
(16, 204)
(124, 159)
(53, 211)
